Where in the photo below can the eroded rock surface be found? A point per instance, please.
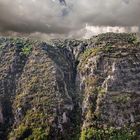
(70, 89)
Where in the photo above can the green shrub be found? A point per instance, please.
(1, 47)
(26, 49)
(108, 48)
(38, 134)
(108, 134)
(133, 39)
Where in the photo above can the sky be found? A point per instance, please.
(69, 18)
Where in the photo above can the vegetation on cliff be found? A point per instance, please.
(70, 89)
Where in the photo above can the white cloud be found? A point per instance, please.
(49, 16)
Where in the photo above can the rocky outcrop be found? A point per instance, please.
(70, 89)
(109, 75)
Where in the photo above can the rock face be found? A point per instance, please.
(70, 89)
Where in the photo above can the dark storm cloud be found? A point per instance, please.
(49, 16)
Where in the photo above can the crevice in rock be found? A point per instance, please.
(68, 66)
(25, 134)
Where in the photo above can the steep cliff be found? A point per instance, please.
(70, 89)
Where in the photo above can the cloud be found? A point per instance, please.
(51, 17)
(94, 30)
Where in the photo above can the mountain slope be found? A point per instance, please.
(70, 89)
